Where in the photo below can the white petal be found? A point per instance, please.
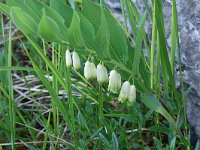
(76, 61)
(124, 92)
(102, 74)
(119, 81)
(113, 83)
(132, 94)
(87, 70)
(68, 59)
(93, 70)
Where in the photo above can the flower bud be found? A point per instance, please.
(102, 74)
(93, 71)
(76, 61)
(87, 70)
(132, 95)
(114, 82)
(124, 92)
(68, 59)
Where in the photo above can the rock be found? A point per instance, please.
(189, 32)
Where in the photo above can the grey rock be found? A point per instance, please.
(189, 32)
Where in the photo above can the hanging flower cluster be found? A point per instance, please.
(127, 92)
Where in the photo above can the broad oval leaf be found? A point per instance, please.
(63, 10)
(33, 8)
(102, 39)
(59, 20)
(151, 102)
(74, 33)
(88, 33)
(118, 46)
(23, 21)
(48, 29)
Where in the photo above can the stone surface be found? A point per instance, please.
(189, 32)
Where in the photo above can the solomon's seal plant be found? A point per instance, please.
(86, 110)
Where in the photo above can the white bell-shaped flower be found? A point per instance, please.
(132, 95)
(76, 61)
(124, 92)
(114, 82)
(102, 74)
(68, 58)
(87, 70)
(93, 71)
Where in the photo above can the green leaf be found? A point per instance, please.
(95, 134)
(158, 143)
(48, 29)
(138, 47)
(131, 18)
(151, 102)
(118, 47)
(160, 129)
(74, 33)
(87, 30)
(33, 8)
(59, 20)
(173, 143)
(102, 39)
(162, 41)
(5, 9)
(23, 21)
(197, 147)
(105, 141)
(48, 86)
(115, 144)
(64, 10)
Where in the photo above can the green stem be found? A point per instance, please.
(124, 15)
(158, 68)
(70, 100)
(11, 97)
(55, 86)
(180, 68)
(173, 35)
(100, 101)
(153, 46)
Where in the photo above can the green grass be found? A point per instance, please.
(45, 105)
